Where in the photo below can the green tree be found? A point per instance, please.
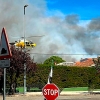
(17, 61)
(1, 79)
(56, 59)
(97, 63)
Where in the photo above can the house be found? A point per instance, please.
(66, 64)
(87, 62)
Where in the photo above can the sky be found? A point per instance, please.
(71, 28)
(86, 9)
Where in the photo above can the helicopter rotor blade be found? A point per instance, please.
(14, 36)
(28, 36)
(33, 36)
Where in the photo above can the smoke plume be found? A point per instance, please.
(63, 36)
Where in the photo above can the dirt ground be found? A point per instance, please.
(62, 97)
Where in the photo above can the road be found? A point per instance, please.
(63, 97)
(80, 97)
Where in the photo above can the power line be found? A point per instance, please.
(60, 54)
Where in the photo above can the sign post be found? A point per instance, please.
(50, 91)
(5, 54)
(4, 88)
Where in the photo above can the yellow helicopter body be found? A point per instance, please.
(26, 44)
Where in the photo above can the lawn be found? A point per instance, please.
(21, 89)
(76, 89)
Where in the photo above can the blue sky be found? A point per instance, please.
(86, 9)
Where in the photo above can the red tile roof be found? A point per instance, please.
(87, 62)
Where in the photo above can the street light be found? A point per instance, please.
(24, 8)
(24, 52)
(24, 24)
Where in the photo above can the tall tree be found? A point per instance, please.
(19, 58)
(56, 59)
(97, 64)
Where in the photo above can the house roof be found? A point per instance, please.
(87, 62)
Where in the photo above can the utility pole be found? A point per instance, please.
(24, 52)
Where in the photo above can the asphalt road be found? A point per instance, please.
(80, 97)
(64, 97)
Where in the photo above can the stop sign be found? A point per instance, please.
(50, 91)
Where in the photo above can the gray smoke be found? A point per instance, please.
(61, 35)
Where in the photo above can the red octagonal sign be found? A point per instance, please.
(50, 91)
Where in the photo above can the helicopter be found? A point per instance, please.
(24, 43)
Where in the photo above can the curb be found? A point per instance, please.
(62, 93)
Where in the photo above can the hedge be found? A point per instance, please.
(63, 77)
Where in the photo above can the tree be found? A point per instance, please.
(17, 61)
(56, 60)
(97, 64)
(1, 80)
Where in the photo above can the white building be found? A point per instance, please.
(66, 64)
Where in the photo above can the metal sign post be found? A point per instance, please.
(24, 51)
(4, 64)
(4, 87)
(50, 75)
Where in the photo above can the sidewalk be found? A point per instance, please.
(65, 93)
(62, 93)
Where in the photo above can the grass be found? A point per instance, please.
(21, 89)
(34, 89)
(76, 89)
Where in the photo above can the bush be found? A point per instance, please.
(63, 77)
